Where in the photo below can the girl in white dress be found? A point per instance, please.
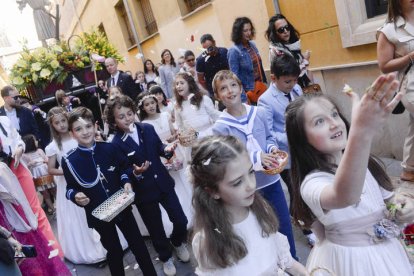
(335, 193)
(235, 228)
(80, 244)
(192, 108)
(36, 161)
(163, 103)
(149, 113)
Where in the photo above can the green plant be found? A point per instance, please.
(96, 42)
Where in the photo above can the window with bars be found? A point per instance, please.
(194, 4)
(125, 26)
(149, 19)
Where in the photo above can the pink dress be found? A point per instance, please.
(40, 265)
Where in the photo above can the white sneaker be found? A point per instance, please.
(182, 252)
(169, 267)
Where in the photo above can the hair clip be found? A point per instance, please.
(207, 162)
(218, 231)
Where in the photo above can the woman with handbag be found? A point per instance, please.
(395, 53)
(285, 39)
(245, 61)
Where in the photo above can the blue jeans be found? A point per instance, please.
(275, 196)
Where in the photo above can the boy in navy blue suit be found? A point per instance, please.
(94, 171)
(152, 183)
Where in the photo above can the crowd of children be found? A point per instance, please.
(217, 190)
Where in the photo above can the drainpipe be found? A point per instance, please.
(134, 30)
(276, 5)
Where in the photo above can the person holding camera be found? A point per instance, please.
(211, 60)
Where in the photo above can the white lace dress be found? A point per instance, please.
(265, 255)
(200, 119)
(384, 258)
(182, 187)
(80, 244)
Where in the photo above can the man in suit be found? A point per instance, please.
(121, 79)
(21, 118)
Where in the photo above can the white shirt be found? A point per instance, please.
(12, 115)
(134, 134)
(115, 78)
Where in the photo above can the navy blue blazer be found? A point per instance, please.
(80, 167)
(127, 84)
(155, 179)
(27, 121)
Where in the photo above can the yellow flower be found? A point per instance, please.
(36, 66)
(45, 73)
(54, 64)
(21, 63)
(17, 81)
(34, 77)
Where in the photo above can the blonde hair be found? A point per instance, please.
(224, 75)
(59, 95)
(53, 112)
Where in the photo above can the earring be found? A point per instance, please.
(216, 197)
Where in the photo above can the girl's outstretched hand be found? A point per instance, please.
(371, 111)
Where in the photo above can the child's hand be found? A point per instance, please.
(82, 199)
(370, 113)
(268, 160)
(172, 138)
(139, 170)
(127, 188)
(170, 148)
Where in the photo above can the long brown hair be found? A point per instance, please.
(394, 10)
(221, 246)
(53, 112)
(305, 158)
(192, 88)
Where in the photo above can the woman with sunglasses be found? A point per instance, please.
(284, 39)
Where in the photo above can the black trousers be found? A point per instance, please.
(110, 241)
(151, 215)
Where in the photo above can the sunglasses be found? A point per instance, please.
(283, 29)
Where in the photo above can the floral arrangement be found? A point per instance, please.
(39, 67)
(54, 63)
(71, 60)
(96, 42)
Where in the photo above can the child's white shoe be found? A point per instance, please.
(169, 267)
(182, 252)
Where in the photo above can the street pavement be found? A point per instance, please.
(187, 269)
